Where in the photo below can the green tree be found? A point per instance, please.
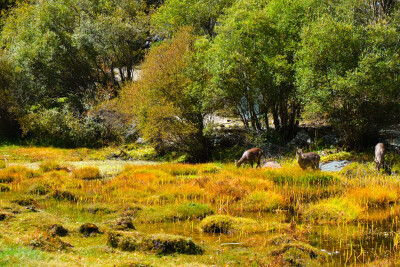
(71, 48)
(349, 72)
(170, 98)
(252, 60)
(202, 15)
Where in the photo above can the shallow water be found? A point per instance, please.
(334, 166)
(345, 244)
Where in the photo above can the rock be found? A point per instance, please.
(271, 165)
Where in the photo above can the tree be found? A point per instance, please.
(202, 15)
(71, 48)
(350, 73)
(252, 60)
(170, 100)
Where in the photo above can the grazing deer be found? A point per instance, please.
(307, 159)
(380, 152)
(250, 156)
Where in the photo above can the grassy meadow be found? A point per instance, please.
(61, 207)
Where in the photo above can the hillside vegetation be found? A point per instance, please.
(88, 73)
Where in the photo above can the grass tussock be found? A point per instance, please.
(333, 210)
(49, 243)
(373, 196)
(264, 201)
(226, 224)
(161, 244)
(87, 173)
(16, 173)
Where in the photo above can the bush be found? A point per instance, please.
(87, 173)
(64, 128)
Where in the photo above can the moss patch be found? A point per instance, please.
(161, 244)
(228, 225)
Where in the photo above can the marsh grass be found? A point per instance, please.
(208, 202)
(87, 173)
(333, 210)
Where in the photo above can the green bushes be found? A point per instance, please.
(64, 128)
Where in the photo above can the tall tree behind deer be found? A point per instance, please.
(250, 156)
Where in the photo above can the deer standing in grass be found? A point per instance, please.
(310, 159)
(380, 152)
(250, 156)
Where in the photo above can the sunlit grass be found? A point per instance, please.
(244, 206)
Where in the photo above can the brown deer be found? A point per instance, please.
(310, 159)
(380, 152)
(250, 156)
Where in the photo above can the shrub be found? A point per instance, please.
(87, 173)
(62, 127)
(333, 210)
(264, 201)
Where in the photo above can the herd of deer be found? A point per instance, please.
(305, 160)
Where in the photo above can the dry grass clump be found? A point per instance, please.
(161, 244)
(16, 173)
(333, 210)
(4, 188)
(63, 195)
(87, 173)
(47, 242)
(373, 196)
(229, 225)
(264, 201)
(39, 189)
(52, 165)
(297, 253)
(2, 163)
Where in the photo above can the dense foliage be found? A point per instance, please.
(270, 63)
